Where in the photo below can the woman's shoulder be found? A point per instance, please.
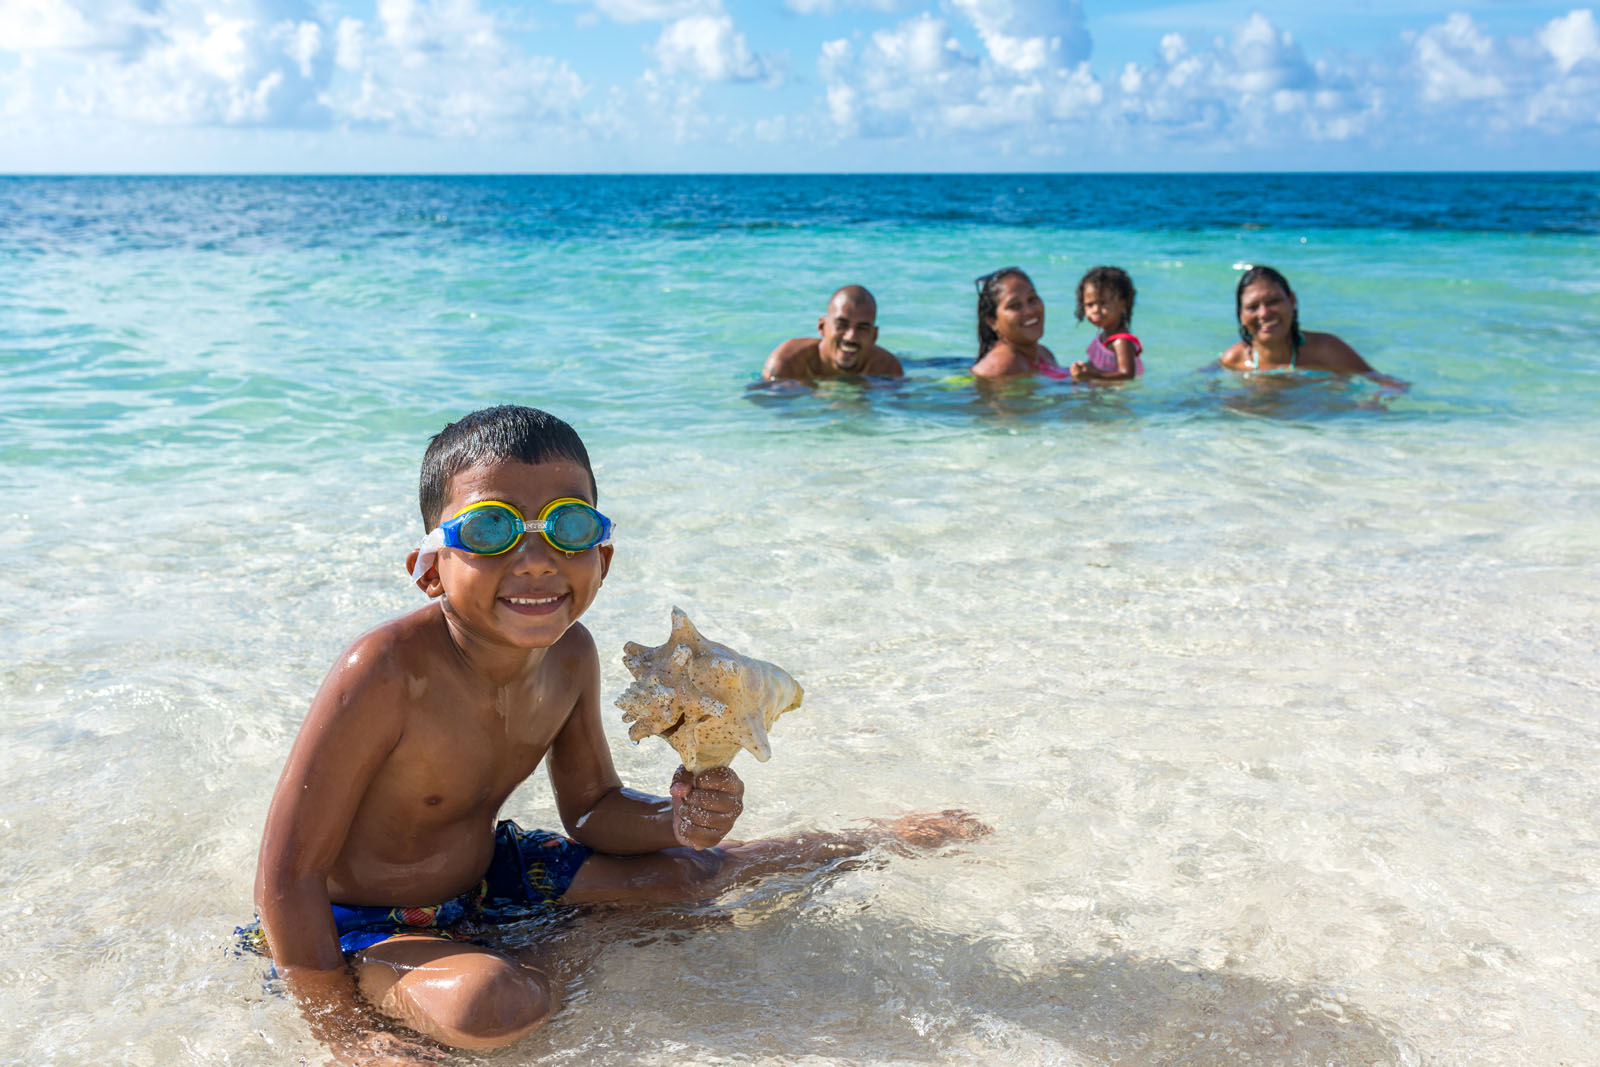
(1236, 355)
(999, 362)
(1330, 352)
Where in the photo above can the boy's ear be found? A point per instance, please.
(605, 560)
(429, 582)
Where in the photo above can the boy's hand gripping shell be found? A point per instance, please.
(707, 700)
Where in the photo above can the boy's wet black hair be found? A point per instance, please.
(493, 435)
(1112, 280)
(989, 305)
(1263, 273)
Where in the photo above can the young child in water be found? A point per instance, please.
(1105, 298)
(381, 853)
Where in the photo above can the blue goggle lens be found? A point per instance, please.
(574, 527)
(493, 528)
(489, 531)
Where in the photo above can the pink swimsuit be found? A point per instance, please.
(1103, 357)
(1049, 368)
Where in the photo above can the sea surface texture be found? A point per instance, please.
(1280, 693)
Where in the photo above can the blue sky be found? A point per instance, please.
(353, 86)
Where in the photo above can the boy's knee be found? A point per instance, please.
(500, 1005)
(485, 1001)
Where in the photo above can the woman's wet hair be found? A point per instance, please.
(495, 435)
(1265, 274)
(989, 305)
(1109, 280)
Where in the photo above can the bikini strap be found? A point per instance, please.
(1137, 347)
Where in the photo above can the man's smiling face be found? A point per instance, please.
(849, 330)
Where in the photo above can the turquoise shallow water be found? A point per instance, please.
(1280, 694)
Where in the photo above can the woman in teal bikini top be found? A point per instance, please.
(1255, 358)
(1270, 336)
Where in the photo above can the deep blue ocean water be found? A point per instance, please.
(1279, 692)
(94, 215)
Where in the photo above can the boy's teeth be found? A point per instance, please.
(533, 600)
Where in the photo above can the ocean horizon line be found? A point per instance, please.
(1501, 173)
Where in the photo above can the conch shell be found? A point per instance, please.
(707, 700)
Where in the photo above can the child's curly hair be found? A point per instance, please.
(1109, 279)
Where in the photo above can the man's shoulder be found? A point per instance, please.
(795, 356)
(885, 364)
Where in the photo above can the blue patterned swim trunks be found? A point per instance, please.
(529, 872)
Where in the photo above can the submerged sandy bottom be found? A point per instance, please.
(1286, 730)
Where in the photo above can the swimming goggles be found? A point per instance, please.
(493, 528)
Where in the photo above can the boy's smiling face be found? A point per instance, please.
(527, 597)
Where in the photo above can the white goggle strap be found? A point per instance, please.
(427, 552)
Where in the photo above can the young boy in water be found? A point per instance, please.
(381, 846)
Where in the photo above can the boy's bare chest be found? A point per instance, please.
(467, 754)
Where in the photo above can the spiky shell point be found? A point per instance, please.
(705, 699)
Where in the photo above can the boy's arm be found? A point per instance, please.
(598, 812)
(354, 723)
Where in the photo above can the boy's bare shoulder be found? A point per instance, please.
(418, 632)
(576, 647)
(402, 650)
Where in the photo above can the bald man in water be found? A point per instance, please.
(847, 343)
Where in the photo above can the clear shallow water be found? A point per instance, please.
(1280, 696)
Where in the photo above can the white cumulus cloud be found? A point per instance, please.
(1252, 89)
(1025, 36)
(709, 48)
(1571, 39)
(916, 79)
(1472, 81)
(440, 68)
(655, 10)
(972, 81)
(830, 7)
(901, 80)
(1458, 61)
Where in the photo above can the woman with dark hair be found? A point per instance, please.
(1010, 324)
(1271, 339)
